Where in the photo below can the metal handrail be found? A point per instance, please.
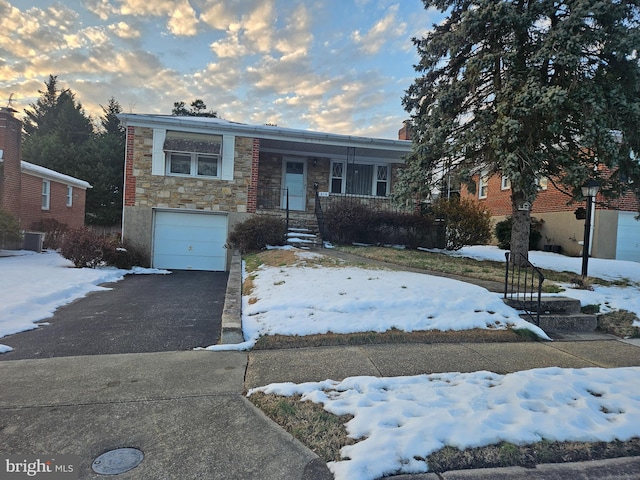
(519, 285)
(320, 218)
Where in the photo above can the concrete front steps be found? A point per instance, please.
(558, 314)
(303, 238)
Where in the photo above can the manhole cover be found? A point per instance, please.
(117, 461)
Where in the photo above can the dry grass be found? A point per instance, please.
(321, 431)
(619, 323)
(508, 454)
(464, 267)
(271, 342)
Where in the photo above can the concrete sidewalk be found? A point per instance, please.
(184, 410)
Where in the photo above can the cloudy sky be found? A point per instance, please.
(334, 65)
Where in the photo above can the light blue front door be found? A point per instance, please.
(294, 182)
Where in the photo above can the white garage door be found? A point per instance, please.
(628, 245)
(189, 241)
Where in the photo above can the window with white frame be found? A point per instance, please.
(483, 185)
(69, 196)
(46, 194)
(192, 154)
(360, 179)
(542, 183)
(506, 183)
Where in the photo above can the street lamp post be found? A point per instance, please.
(589, 190)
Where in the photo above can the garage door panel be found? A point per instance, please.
(190, 241)
(179, 247)
(190, 262)
(628, 238)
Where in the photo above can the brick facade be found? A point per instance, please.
(21, 184)
(498, 201)
(556, 210)
(32, 211)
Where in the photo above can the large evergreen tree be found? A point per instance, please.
(57, 131)
(104, 203)
(528, 88)
(59, 135)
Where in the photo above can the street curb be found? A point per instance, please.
(625, 468)
(232, 312)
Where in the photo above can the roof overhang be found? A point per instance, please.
(282, 140)
(47, 174)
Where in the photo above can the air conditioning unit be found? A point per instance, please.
(33, 241)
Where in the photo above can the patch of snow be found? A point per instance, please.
(398, 421)
(34, 285)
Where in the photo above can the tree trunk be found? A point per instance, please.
(520, 228)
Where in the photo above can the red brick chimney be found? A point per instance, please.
(405, 132)
(10, 172)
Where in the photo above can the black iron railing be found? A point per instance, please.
(384, 204)
(523, 285)
(320, 218)
(269, 198)
(274, 199)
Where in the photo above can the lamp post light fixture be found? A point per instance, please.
(589, 190)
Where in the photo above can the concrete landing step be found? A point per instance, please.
(548, 305)
(576, 322)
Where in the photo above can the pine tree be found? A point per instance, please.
(60, 136)
(198, 109)
(527, 88)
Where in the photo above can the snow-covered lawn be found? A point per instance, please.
(307, 299)
(33, 286)
(399, 421)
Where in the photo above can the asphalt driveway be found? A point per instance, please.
(141, 314)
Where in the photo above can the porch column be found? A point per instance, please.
(252, 194)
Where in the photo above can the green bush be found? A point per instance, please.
(9, 229)
(467, 223)
(255, 233)
(503, 233)
(54, 232)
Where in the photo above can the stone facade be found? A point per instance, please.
(160, 191)
(318, 171)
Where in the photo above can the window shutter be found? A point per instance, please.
(228, 154)
(157, 157)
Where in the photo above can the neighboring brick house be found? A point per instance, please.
(188, 180)
(32, 193)
(615, 233)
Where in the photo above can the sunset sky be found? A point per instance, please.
(333, 66)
